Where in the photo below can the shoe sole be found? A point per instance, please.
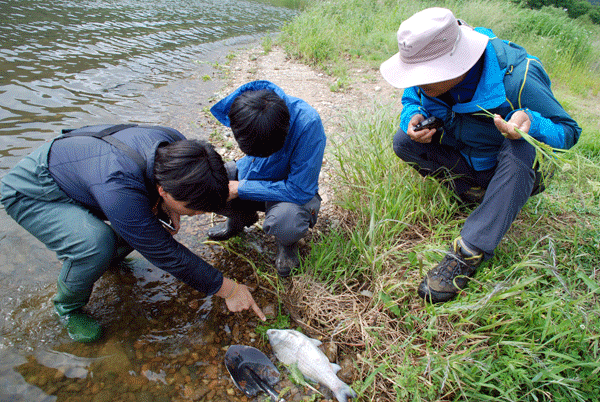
(433, 297)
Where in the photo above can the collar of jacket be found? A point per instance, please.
(490, 92)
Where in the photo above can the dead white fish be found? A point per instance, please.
(292, 347)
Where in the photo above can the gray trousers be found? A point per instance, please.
(288, 222)
(84, 243)
(508, 186)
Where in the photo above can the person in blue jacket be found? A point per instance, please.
(452, 71)
(94, 194)
(284, 142)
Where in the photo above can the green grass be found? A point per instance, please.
(527, 327)
(328, 34)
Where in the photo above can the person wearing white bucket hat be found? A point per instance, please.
(440, 50)
(450, 72)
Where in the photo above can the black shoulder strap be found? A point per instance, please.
(68, 132)
(105, 135)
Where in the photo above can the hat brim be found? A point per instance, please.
(468, 50)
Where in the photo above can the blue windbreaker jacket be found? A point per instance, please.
(292, 173)
(511, 80)
(109, 183)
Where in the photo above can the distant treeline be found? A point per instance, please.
(574, 8)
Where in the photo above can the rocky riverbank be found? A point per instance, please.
(163, 341)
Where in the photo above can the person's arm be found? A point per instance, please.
(129, 211)
(411, 106)
(549, 122)
(133, 218)
(413, 114)
(305, 163)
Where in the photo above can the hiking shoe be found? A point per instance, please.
(231, 227)
(474, 195)
(81, 327)
(451, 275)
(287, 259)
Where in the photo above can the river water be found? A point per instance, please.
(69, 63)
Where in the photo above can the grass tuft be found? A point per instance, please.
(527, 328)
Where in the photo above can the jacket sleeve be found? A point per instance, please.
(129, 211)
(305, 162)
(550, 123)
(411, 105)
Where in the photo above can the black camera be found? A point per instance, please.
(430, 123)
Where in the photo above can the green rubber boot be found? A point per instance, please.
(80, 326)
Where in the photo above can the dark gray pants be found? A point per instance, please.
(286, 221)
(508, 186)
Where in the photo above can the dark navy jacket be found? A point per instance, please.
(102, 178)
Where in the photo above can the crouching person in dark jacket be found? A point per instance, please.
(65, 192)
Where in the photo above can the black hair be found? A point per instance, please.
(260, 121)
(193, 173)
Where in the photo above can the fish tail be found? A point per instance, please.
(344, 392)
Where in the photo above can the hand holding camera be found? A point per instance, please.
(429, 123)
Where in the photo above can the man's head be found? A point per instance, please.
(433, 47)
(260, 121)
(193, 173)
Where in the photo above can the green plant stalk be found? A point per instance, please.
(546, 157)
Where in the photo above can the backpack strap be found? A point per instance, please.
(106, 135)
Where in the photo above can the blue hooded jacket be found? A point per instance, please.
(511, 80)
(292, 173)
(108, 182)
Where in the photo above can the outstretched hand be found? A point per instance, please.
(238, 297)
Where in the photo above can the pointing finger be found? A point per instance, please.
(258, 311)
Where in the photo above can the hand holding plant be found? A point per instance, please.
(546, 157)
(519, 120)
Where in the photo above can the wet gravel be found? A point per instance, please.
(163, 340)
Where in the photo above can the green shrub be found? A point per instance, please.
(595, 15)
(578, 8)
(560, 42)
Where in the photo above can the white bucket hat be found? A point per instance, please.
(434, 46)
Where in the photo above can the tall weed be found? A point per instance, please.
(334, 32)
(527, 327)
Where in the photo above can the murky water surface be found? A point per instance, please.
(71, 63)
